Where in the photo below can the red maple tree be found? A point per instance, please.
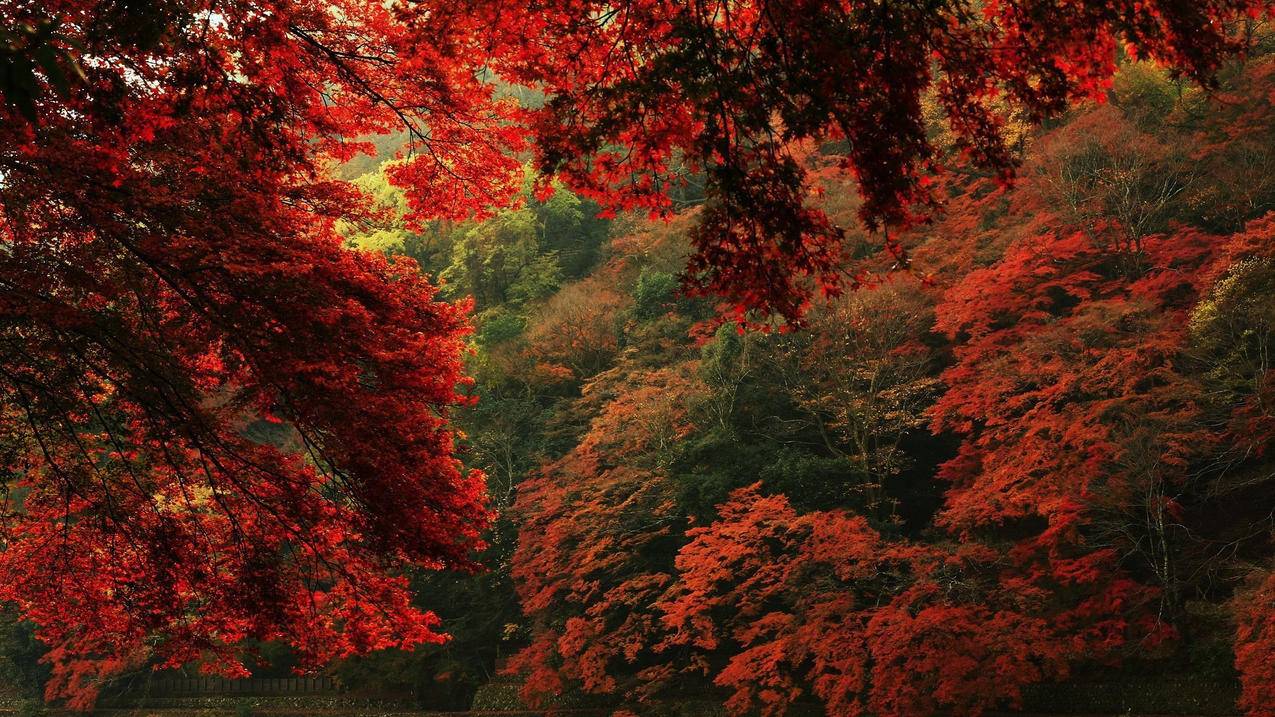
(642, 92)
(172, 283)
(218, 424)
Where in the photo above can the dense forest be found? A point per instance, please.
(1040, 449)
(844, 358)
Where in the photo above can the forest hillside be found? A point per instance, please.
(1038, 450)
(876, 358)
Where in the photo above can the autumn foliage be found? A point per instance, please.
(643, 92)
(1010, 417)
(1009, 472)
(218, 424)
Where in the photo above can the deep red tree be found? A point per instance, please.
(823, 603)
(217, 424)
(171, 280)
(642, 92)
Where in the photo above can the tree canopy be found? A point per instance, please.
(220, 425)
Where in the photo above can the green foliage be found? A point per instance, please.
(504, 437)
(21, 672)
(1146, 93)
(812, 481)
(708, 465)
(499, 325)
(538, 279)
(570, 226)
(724, 361)
(519, 256)
(653, 294)
(522, 255)
(391, 235)
(489, 258)
(1234, 328)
